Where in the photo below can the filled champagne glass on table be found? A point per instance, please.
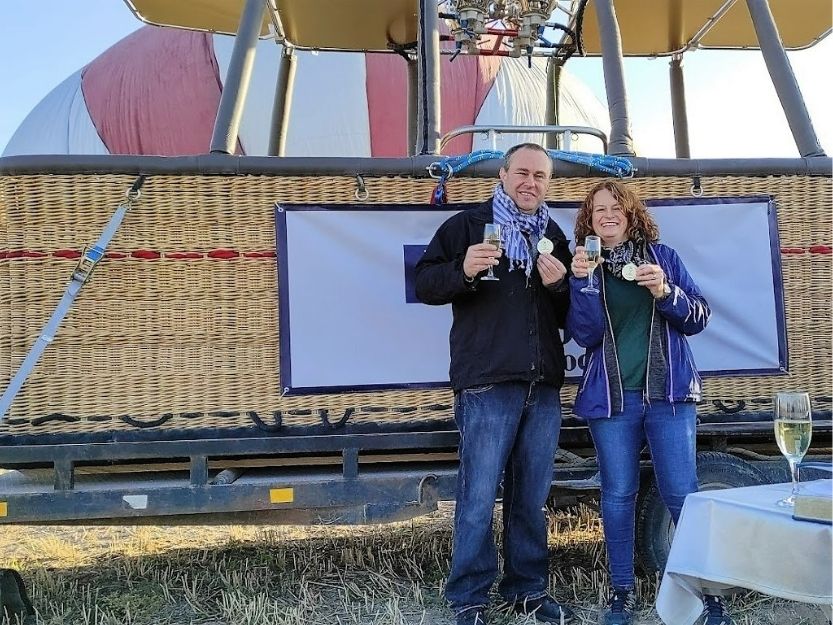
(593, 250)
(793, 431)
(491, 235)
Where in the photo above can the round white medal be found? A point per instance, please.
(545, 246)
(629, 271)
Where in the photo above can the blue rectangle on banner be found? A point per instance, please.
(411, 256)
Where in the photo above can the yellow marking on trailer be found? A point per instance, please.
(4, 508)
(281, 495)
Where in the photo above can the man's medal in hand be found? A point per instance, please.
(545, 246)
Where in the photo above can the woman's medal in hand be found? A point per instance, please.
(629, 272)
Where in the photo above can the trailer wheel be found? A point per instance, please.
(654, 528)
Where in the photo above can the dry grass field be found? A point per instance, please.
(289, 575)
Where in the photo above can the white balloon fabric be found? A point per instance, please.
(59, 124)
(157, 90)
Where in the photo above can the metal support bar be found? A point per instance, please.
(708, 25)
(783, 78)
(491, 130)
(233, 97)
(64, 474)
(679, 113)
(415, 167)
(161, 498)
(384, 494)
(552, 114)
(350, 463)
(199, 470)
(750, 429)
(218, 448)
(413, 97)
(428, 79)
(621, 141)
(283, 102)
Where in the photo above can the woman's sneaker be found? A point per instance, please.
(620, 607)
(715, 612)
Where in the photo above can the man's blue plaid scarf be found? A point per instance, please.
(513, 225)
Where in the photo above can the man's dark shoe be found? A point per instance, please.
(715, 612)
(475, 616)
(620, 607)
(544, 610)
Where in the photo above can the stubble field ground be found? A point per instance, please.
(292, 575)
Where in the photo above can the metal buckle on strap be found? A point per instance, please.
(89, 259)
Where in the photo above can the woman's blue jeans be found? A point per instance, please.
(511, 430)
(670, 430)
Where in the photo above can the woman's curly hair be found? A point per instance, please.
(640, 223)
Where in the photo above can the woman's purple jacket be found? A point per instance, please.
(685, 312)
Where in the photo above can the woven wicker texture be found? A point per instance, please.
(178, 328)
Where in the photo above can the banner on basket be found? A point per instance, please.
(350, 320)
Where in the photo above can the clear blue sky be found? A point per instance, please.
(733, 108)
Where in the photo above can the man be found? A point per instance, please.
(507, 366)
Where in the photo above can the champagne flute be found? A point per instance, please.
(593, 249)
(491, 235)
(793, 431)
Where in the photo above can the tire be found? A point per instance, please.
(654, 528)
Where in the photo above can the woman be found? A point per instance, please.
(640, 382)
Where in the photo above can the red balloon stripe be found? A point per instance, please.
(228, 254)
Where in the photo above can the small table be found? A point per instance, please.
(739, 537)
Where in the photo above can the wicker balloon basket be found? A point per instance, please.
(176, 335)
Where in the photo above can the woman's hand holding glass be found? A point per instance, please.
(580, 267)
(593, 254)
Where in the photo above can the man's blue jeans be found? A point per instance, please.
(670, 432)
(508, 429)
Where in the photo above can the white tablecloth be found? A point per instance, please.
(739, 537)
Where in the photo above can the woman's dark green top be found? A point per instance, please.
(630, 306)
